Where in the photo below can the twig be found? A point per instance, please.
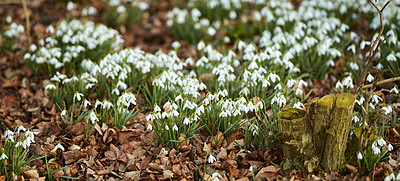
(27, 19)
(381, 82)
(374, 47)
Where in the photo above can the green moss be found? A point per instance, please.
(345, 100)
(326, 100)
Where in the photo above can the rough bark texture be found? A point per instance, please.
(323, 111)
(315, 139)
(294, 132)
(339, 129)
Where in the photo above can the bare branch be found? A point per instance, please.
(393, 79)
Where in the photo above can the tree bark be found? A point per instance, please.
(315, 139)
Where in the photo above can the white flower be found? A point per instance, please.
(376, 98)
(175, 45)
(50, 87)
(394, 89)
(299, 105)
(280, 99)
(70, 6)
(359, 156)
(157, 108)
(3, 157)
(186, 121)
(348, 82)
(107, 105)
(299, 92)
(166, 127)
(390, 147)
(179, 97)
(371, 105)
(93, 117)
(375, 149)
(215, 176)
(290, 83)
(339, 85)
(149, 127)
(390, 177)
(211, 159)
(361, 101)
(387, 109)
(175, 128)
(58, 146)
(121, 9)
(355, 119)
(20, 128)
(98, 103)
(63, 113)
(86, 103)
(78, 96)
(211, 31)
(370, 78)
(381, 142)
(9, 135)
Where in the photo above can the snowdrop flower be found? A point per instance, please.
(150, 127)
(211, 31)
(348, 82)
(175, 128)
(273, 77)
(9, 135)
(339, 85)
(387, 109)
(353, 66)
(3, 157)
(391, 57)
(58, 146)
(20, 128)
(361, 101)
(50, 87)
(390, 177)
(376, 98)
(278, 86)
(78, 96)
(355, 119)
(211, 159)
(179, 97)
(280, 99)
(254, 129)
(215, 176)
(121, 9)
(375, 149)
(381, 142)
(86, 103)
(390, 147)
(299, 92)
(290, 83)
(370, 78)
(98, 103)
(93, 117)
(166, 127)
(371, 105)
(63, 113)
(359, 156)
(299, 105)
(394, 89)
(175, 45)
(70, 6)
(186, 121)
(379, 66)
(200, 46)
(115, 91)
(331, 63)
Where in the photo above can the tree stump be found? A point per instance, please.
(315, 139)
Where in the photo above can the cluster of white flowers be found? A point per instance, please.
(71, 41)
(14, 30)
(24, 141)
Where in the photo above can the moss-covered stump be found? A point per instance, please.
(315, 139)
(294, 135)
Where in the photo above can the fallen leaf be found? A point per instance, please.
(268, 173)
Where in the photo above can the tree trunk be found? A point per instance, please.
(315, 139)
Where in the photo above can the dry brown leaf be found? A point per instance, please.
(217, 139)
(126, 136)
(72, 156)
(222, 154)
(351, 169)
(31, 174)
(268, 173)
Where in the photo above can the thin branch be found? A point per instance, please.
(374, 47)
(27, 19)
(393, 79)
